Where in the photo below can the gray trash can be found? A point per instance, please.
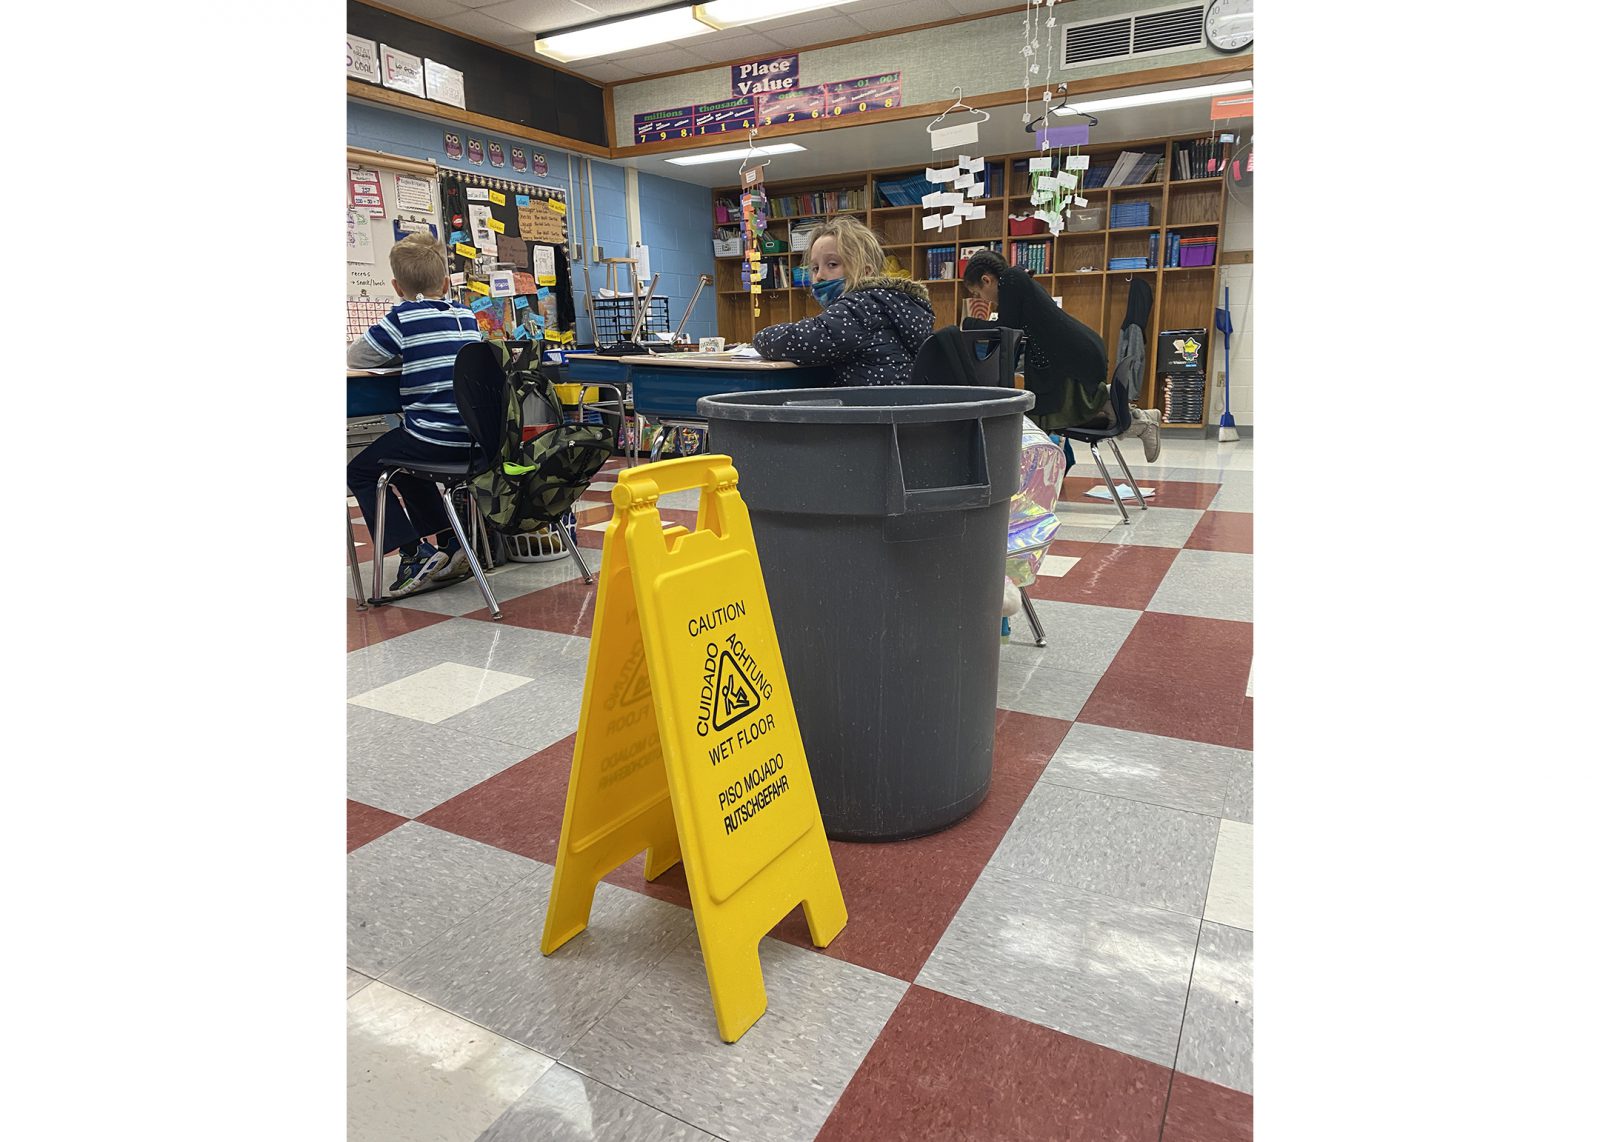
(880, 517)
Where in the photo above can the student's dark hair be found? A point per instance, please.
(983, 262)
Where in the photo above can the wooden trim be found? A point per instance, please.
(360, 156)
(416, 19)
(1238, 257)
(1200, 70)
(825, 44)
(611, 118)
(358, 89)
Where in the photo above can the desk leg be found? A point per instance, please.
(355, 566)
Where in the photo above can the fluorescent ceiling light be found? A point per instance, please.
(1151, 98)
(732, 13)
(736, 153)
(651, 29)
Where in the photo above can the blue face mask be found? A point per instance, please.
(827, 292)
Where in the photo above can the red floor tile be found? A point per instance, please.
(518, 809)
(373, 625)
(945, 1069)
(1180, 677)
(1106, 575)
(1224, 531)
(1168, 493)
(363, 823)
(596, 539)
(1198, 1111)
(566, 608)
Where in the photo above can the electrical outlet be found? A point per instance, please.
(599, 254)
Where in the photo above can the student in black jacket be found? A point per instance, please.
(871, 325)
(1066, 367)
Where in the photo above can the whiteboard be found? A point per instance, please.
(371, 280)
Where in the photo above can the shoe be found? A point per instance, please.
(418, 571)
(457, 567)
(1152, 435)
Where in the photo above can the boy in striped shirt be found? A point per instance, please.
(424, 334)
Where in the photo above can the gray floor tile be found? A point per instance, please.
(1104, 970)
(354, 981)
(1220, 1023)
(1234, 496)
(1193, 776)
(1055, 680)
(418, 1074)
(1240, 805)
(1157, 527)
(489, 969)
(682, 501)
(660, 1043)
(489, 645)
(410, 885)
(1145, 854)
(532, 716)
(1081, 534)
(408, 767)
(1208, 584)
(565, 1106)
(508, 581)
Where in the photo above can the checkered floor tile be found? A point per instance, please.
(1071, 960)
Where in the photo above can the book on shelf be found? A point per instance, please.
(1132, 168)
(941, 263)
(906, 190)
(817, 202)
(1198, 158)
(1033, 256)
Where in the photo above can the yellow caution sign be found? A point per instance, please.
(687, 743)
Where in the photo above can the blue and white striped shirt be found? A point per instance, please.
(426, 336)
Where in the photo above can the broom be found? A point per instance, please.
(1224, 322)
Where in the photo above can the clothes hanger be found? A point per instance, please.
(744, 162)
(958, 106)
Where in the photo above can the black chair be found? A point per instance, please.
(1093, 436)
(982, 356)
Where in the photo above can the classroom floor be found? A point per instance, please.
(1071, 961)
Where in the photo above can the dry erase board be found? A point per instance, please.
(378, 212)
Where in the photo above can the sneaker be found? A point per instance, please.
(458, 565)
(416, 572)
(1152, 435)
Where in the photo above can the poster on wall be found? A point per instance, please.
(788, 106)
(497, 155)
(760, 76)
(402, 71)
(540, 167)
(358, 233)
(413, 194)
(474, 150)
(519, 159)
(452, 145)
(361, 58)
(366, 191)
(728, 115)
(445, 84)
(658, 126)
(858, 96)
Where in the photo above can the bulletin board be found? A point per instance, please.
(407, 198)
(496, 227)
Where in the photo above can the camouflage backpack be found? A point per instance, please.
(535, 482)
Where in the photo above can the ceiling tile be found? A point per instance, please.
(792, 35)
(603, 71)
(737, 45)
(541, 15)
(893, 17)
(974, 7)
(605, 8)
(429, 9)
(485, 28)
(656, 62)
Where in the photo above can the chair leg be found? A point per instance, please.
(1033, 618)
(571, 540)
(472, 556)
(355, 564)
(377, 540)
(1132, 483)
(659, 443)
(480, 530)
(1094, 450)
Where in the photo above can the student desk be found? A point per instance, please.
(367, 393)
(666, 387)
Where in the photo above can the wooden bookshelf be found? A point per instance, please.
(1185, 297)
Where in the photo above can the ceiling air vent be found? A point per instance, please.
(1140, 34)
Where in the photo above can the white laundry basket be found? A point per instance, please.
(542, 546)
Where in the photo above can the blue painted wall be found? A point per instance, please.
(674, 217)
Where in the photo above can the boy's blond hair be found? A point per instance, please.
(418, 264)
(858, 248)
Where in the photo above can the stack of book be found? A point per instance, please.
(1032, 256)
(1186, 399)
(1129, 264)
(1201, 158)
(1129, 214)
(905, 191)
(818, 202)
(1095, 176)
(941, 263)
(1133, 168)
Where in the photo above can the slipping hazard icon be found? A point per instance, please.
(736, 697)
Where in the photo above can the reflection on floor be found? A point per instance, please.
(1072, 960)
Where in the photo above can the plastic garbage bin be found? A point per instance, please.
(880, 517)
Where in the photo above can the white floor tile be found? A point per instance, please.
(416, 1072)
(1057, 565)
(440, 692)
(1230, 899)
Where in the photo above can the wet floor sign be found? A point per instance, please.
(687, 743)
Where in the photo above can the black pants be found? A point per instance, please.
(423, 512)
